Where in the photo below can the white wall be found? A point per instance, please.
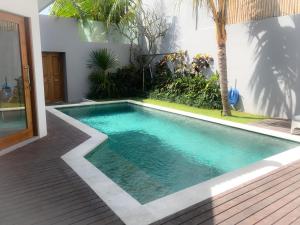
(264, 60)
(183, 34)
(263, 57)
(65, 35)
(29, 8)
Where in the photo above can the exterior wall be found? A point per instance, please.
(65, 35)
(44, 3)
(29, 8)
(263, 56)
(182, 34)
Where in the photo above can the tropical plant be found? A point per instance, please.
(191, 90)
(178, 61)
(128, 82)
(218, 10)
(101, 62)
(108, 11)
(201, 62)
(124, 82)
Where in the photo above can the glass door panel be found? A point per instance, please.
(15, 107)
(12, 107)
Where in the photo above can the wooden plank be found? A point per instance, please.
(50, 212)
(261, 206)
(59, 214)
(289, 217)
(285, 207)
(234, 209)
(46, 197)
(39, 188)
(65, 197)
(203, 211)
(88, 217)
(295, 222)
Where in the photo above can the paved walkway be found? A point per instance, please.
(277, 125)
(37, 187)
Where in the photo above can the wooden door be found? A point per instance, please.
(53, 77)
(16, 123)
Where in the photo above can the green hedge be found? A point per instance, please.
(125, 82)
(193, 90)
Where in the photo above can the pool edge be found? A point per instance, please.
(131, 211)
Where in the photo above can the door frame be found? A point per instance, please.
(28, 81)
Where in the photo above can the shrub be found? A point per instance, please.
(185, 83)
(201, 62)
(182, 84)
(101, 86)
(191, 90)
(128, 82)
(101, 62)
(162, 75)
(125, 82)
(178, 61)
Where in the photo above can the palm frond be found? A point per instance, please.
(102, 60)
(109, 11)
(68, 8)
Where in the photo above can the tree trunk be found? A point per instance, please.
(130, 53)
(222, 58)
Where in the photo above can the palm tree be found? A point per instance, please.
(100, 63)
(108, 11)
(218, 10)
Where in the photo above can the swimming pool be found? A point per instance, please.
(151, 154)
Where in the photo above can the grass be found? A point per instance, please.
(238, 117)
(10, 105)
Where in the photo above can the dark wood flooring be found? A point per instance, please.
(38, 187)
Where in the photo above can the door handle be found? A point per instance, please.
(27, 68)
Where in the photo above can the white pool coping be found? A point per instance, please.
(130, 211)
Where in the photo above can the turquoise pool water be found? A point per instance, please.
(12, 122)
(151, 154)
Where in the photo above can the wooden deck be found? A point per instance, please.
(37, 187)
(272, 199)
(280, 125)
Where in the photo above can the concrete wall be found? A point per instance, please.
(66, 35)
(263, 57)
(29, 8)
(42, 4)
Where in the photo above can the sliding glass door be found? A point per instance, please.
(15, 97)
